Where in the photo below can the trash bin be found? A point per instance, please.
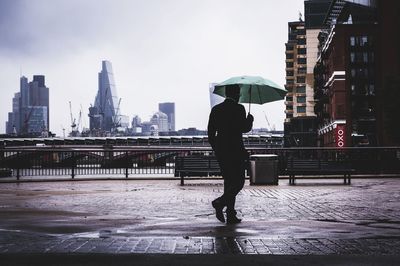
(264, 169)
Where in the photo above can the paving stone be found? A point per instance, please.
(154, 216)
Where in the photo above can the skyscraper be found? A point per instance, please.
(301, 56)
(39, 95)
(107, 102)
(169, 110)
(31, 111)
(13, 124)
(297, 104)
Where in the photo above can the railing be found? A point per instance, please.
(93, 161)
(159, 161)
(364, 160)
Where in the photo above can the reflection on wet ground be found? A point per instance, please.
(151, 211)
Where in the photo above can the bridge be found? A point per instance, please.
(267, 140)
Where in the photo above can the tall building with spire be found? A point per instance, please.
(105, 114)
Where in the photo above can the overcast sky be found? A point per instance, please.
(161, 51)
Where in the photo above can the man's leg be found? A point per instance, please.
(233, 174)
(236, 185)
(220, 202)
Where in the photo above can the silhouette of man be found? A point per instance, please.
(226, 125)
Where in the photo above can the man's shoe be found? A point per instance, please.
(231, 218)
(218, 210)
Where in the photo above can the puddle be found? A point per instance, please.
(246, 231)
(88, 235)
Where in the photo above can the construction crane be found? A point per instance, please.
(73, 123)
(82, 119)
(266, 118)
(79, 119)
(63, 129)
(116, 118)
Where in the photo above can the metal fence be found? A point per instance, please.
(160, 161)
(364, 160)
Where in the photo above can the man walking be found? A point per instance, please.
(226, 125)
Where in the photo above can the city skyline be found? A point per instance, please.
(160, 53)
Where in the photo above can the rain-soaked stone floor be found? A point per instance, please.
(153, 216)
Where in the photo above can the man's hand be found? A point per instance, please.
(250, 117)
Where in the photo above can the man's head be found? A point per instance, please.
(233, 91)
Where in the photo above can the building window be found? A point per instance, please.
(302, 60)
(301, 89)
(289, 81)
(360, 41)
(352, 41)
(289, 98)
(301, 79)
(363, 40)
(289, 47)
(371, 57)
(301, 109)
(352, 57)
(289, 73)
(301, 51)
(289, 107)
(353, 73)
(363, 72)
(371, 89)
(365, 57)
(301, 99)
(301, 41)
(302, 70)
(289, 89)
(359, 57)
(289, 64)
(301, 32)
(289, 56)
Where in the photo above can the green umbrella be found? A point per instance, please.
(253, 89)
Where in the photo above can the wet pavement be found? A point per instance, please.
(161, 217)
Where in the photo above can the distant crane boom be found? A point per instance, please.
(266, 118)
(79, 118)
(73, 124)
(117, 119)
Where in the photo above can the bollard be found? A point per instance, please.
(73, 165)
(126, 165)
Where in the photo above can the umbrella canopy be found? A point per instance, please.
(253, 89)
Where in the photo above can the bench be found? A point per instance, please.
(196, 165)
(318, 167)
(4, 172)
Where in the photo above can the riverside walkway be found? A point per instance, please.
(158, 222)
